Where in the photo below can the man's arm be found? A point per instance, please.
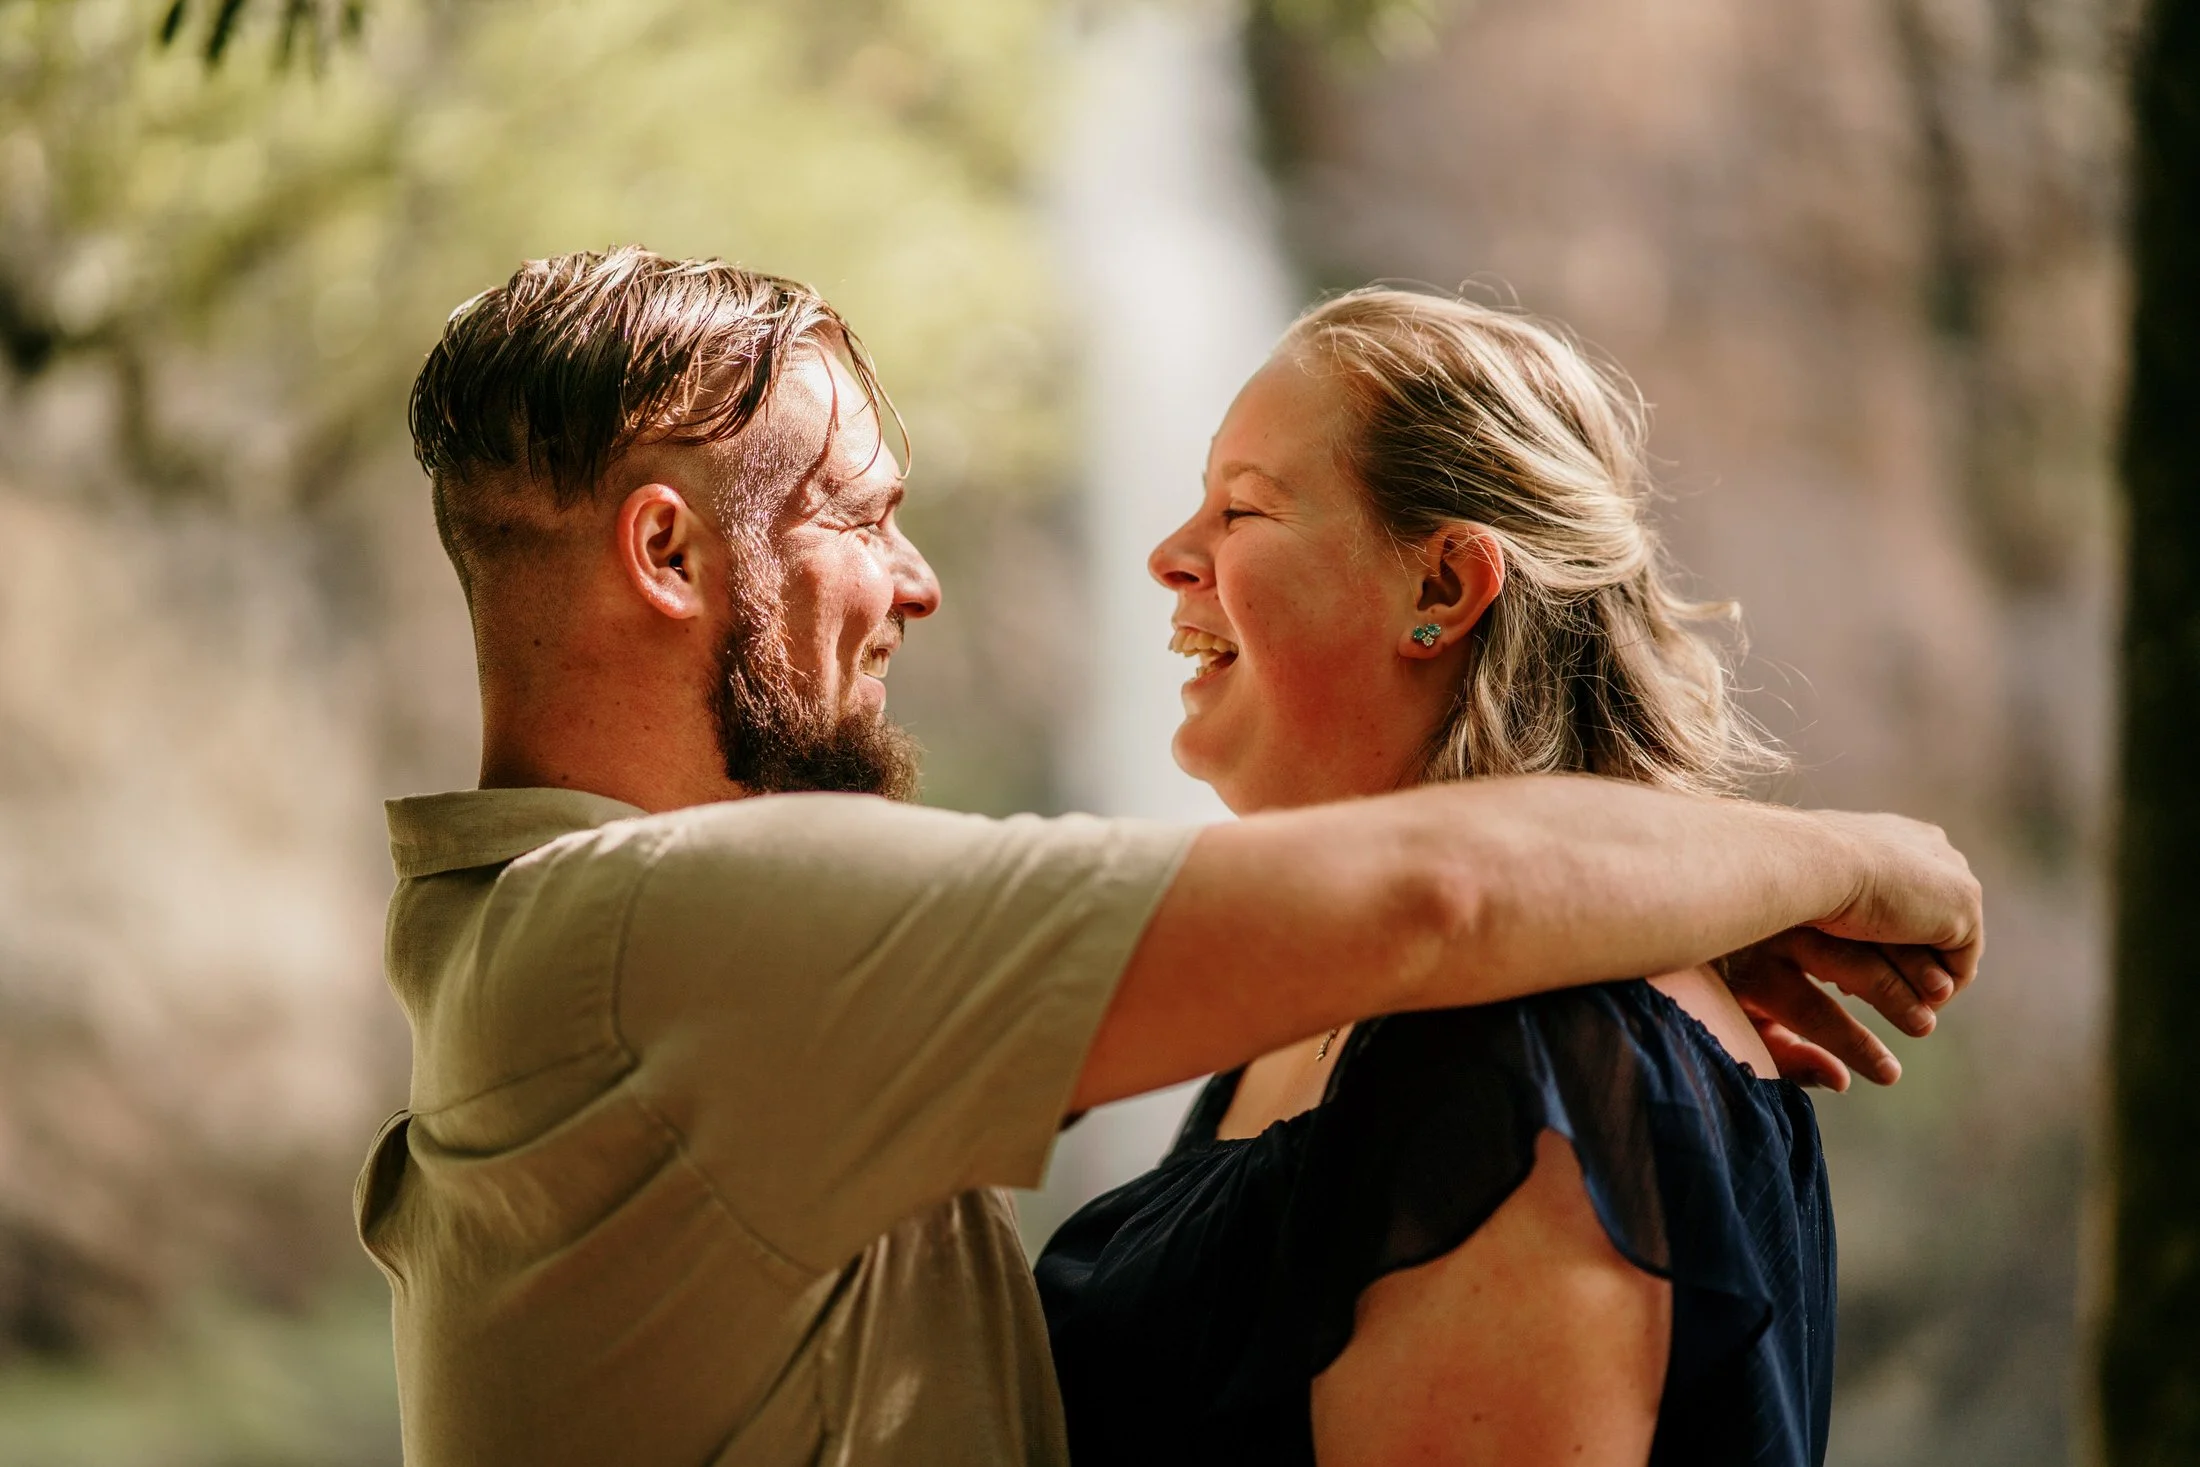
(1283, 925)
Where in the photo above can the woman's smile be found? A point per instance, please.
(1216, 654)
(1417, 556)
(1295, 604)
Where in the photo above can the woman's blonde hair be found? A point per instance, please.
(1589, 659)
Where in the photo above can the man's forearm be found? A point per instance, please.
(1283, 925)
(1559, 881)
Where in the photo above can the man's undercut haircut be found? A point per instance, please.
(538, 386)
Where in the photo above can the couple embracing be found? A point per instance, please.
(720, 1059)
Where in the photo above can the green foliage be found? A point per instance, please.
(1363, 30)
(229, 1386)
(315, 22)
(1378, 27)
(152, 211)
(216, 283)
(314, 227)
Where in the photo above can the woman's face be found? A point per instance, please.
(1300, 610)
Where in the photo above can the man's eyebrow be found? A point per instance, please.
(840, 490)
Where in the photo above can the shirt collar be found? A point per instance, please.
(465, 828)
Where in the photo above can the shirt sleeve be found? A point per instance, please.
(851, 1009)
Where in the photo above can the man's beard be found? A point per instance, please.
(773, 741)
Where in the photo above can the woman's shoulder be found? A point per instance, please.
(1433, 1121)
(1612, 1042)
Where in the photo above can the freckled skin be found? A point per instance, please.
(1534, 1342)
(1283, 558)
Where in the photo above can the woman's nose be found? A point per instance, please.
(1178, 562)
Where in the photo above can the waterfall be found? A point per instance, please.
(1178, 288)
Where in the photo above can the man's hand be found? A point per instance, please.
(1906, 942)
(1288, 923)
(1918, 903)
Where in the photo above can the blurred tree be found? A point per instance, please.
(2150, 1349)
(217, 275)
(315, 22)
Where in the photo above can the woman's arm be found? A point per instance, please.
(1534, 1342)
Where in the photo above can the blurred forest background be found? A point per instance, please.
(1863, 255)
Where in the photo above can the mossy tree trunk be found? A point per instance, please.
(2150, 1350)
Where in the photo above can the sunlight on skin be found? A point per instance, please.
(1326, 695)
(1532, 1342)
(847, 566)
(1311, 686)
(596, 701)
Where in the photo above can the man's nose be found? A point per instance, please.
(916, 589)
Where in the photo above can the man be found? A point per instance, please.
(714, 1083)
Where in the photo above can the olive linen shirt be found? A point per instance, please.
(708, 1113)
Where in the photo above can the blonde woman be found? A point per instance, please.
(1587, 1228)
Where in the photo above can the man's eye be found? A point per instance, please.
(1230, 515)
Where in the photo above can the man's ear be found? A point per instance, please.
(658, 543)
(1462, 570)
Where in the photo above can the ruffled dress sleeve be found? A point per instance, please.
(1701, 1173)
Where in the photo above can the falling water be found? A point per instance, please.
(1170, 256)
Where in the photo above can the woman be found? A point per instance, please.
(1589, 1227)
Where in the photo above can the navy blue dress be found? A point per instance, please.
(1191, 1308)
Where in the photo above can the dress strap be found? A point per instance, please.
(1204, 1118)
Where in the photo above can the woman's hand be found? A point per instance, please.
(1813, 1039)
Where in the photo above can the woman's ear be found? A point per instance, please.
(1462, 570)
(658, 538)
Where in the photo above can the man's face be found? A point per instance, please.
(820, 594)
(849, 578)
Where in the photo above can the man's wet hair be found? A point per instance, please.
(538, 386)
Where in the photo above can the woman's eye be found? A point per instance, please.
(1231, 515)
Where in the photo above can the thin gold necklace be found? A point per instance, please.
(1328, 1039)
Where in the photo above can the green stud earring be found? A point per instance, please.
(1427, 634)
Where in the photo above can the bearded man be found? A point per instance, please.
(720, 1059)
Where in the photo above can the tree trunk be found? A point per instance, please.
(2150, 1349)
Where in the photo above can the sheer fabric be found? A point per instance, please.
(1190, 1309)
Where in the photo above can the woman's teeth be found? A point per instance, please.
(1211, 650)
